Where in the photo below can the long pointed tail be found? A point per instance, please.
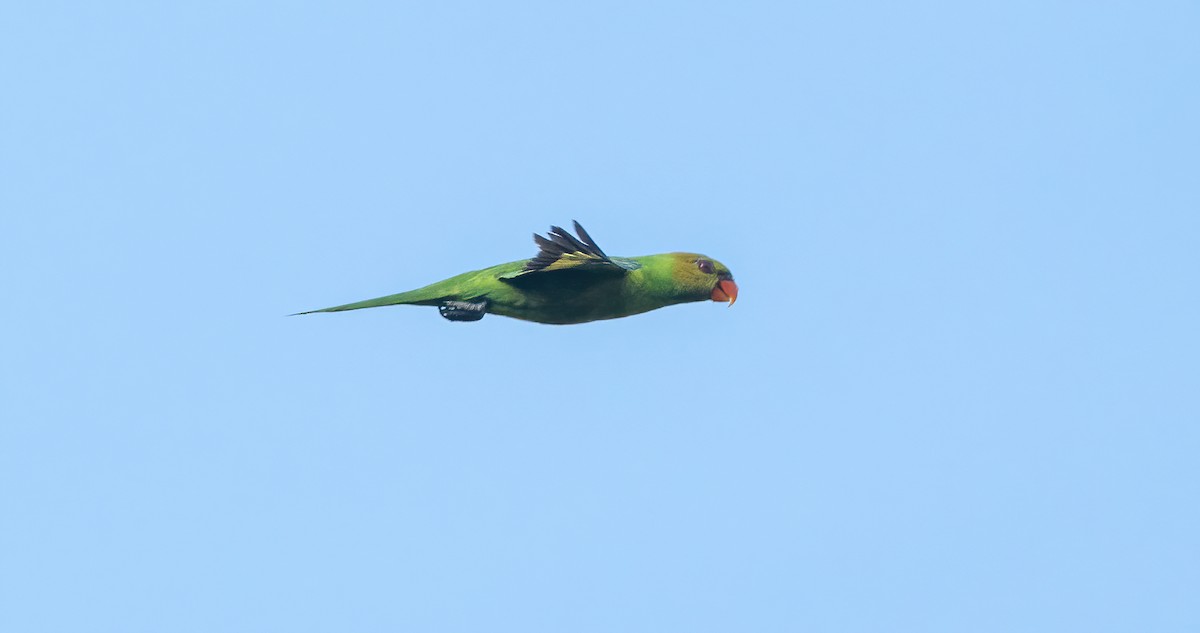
(428, 296)
(464, 287)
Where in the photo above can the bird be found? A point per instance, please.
(570, 280)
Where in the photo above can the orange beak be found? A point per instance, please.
(725, 290)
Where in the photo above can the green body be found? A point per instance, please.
(570, 280)
(561, 296)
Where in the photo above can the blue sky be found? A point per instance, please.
(958, 391)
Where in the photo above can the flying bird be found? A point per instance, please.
(570, 280)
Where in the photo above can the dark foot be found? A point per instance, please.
(463, 310)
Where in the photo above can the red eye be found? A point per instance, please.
(705, 266)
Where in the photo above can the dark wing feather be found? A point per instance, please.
(587, 240)
(560, 250)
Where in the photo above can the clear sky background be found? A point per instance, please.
(959, 391)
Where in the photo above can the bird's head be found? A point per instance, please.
(703, 277)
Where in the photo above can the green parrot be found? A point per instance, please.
(570, 280)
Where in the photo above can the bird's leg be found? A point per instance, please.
(463, 310)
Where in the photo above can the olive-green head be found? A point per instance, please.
(701, 277)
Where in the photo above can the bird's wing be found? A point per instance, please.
(561, 251)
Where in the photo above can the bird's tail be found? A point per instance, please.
(430, 295)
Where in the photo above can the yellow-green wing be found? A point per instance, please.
(561, 251)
